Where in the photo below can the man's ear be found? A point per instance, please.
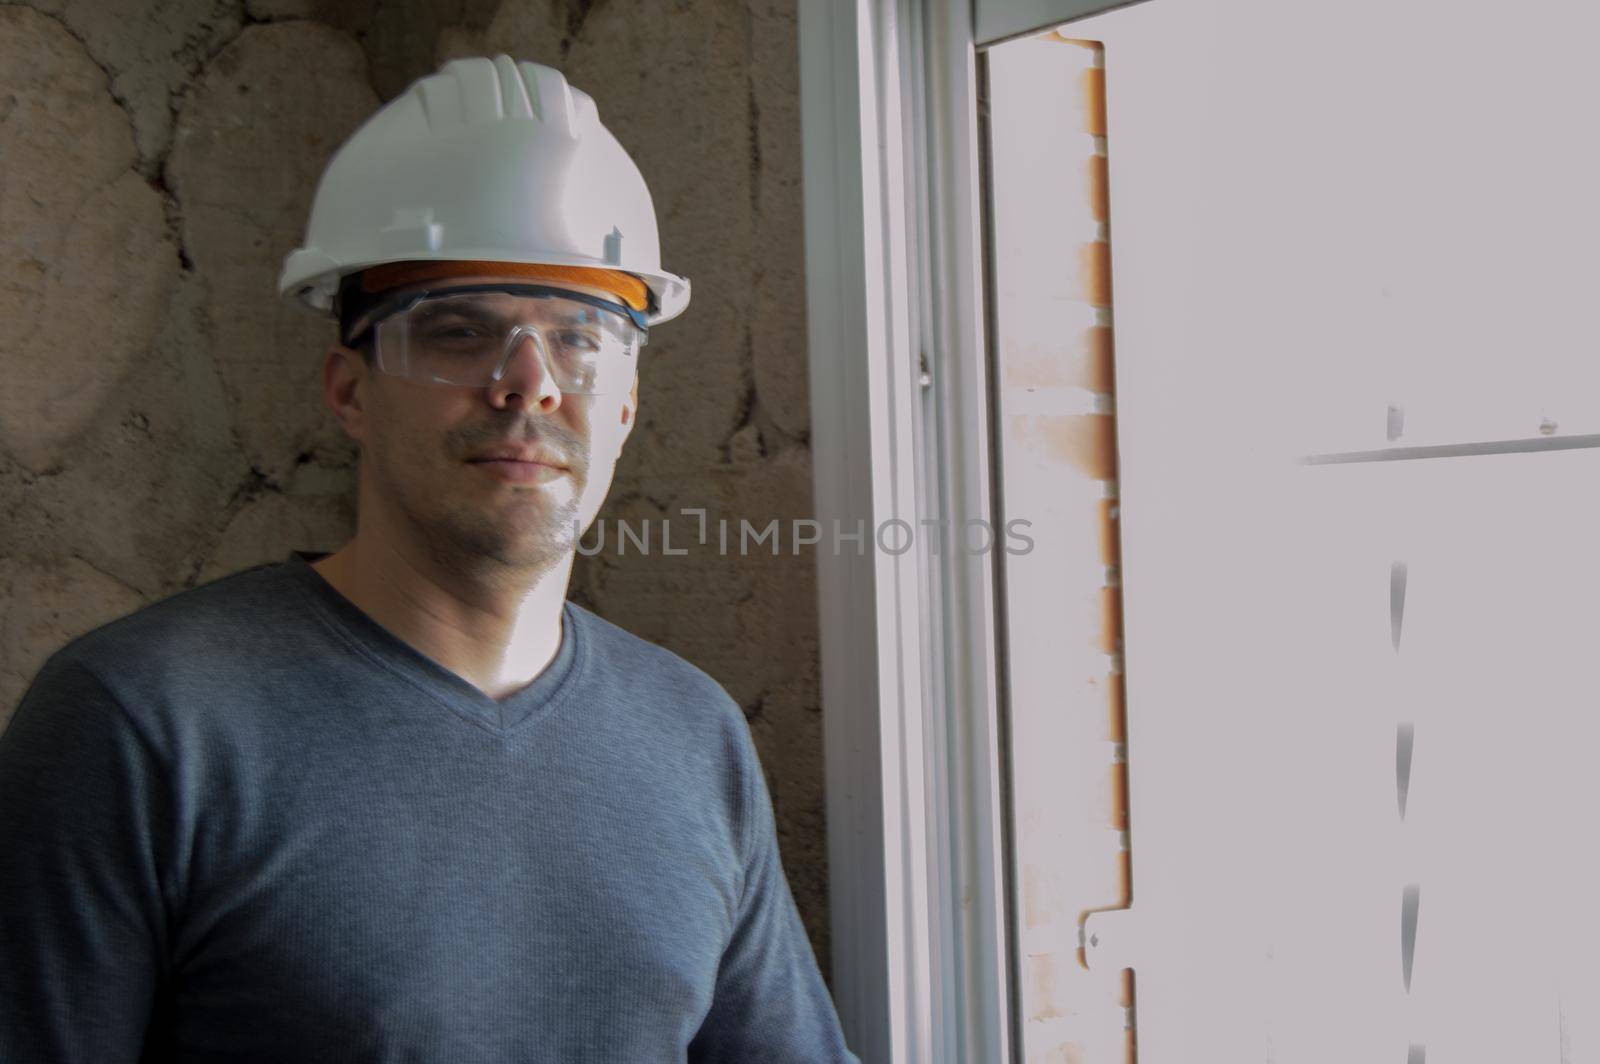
(630, 408)
(344, 376)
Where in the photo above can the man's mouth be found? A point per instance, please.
(518, 471)
(523, 457)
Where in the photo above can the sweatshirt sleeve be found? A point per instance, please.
(84, 815)
(770, 1004)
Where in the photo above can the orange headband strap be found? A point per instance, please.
(625, 286)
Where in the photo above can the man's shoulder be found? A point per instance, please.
(631, 662)
(194, 624)
(672, 708)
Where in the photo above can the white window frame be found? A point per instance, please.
(923, 959)
(917, 837)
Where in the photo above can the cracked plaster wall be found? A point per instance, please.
(160, 420)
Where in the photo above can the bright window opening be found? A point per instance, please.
(1303, 744)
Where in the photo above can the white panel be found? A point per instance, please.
(1055, 468)
(1501, 583)
(1390, 205)
(1348, 208)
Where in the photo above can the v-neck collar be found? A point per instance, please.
(535, 701)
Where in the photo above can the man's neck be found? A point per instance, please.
(496, 633)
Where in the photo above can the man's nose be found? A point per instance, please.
(526, 374)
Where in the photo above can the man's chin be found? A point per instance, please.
(535, 545)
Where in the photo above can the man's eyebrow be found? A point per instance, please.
(478, 312)
(538, 311)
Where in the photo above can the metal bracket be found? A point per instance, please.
(1111, 940)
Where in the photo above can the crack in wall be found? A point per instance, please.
(578, 12)
(193, 59)
(754, 114)
(190, 56)
(197, 66)
(744, 415)
(756, 708)
(30, 477)
(105, 69)
(103, 571)
(253, 486)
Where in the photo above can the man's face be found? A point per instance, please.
(420, 444)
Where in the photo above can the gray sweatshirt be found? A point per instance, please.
(248, 823)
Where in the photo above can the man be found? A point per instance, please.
(404, 802)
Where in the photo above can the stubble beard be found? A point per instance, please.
(534, 547)
(468, 539)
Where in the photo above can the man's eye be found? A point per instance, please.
(577, 340)
(457, 332)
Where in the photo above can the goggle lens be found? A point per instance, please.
(468, 340)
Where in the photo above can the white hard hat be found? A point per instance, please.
(487, 160)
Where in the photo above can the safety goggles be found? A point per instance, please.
(466, 336)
